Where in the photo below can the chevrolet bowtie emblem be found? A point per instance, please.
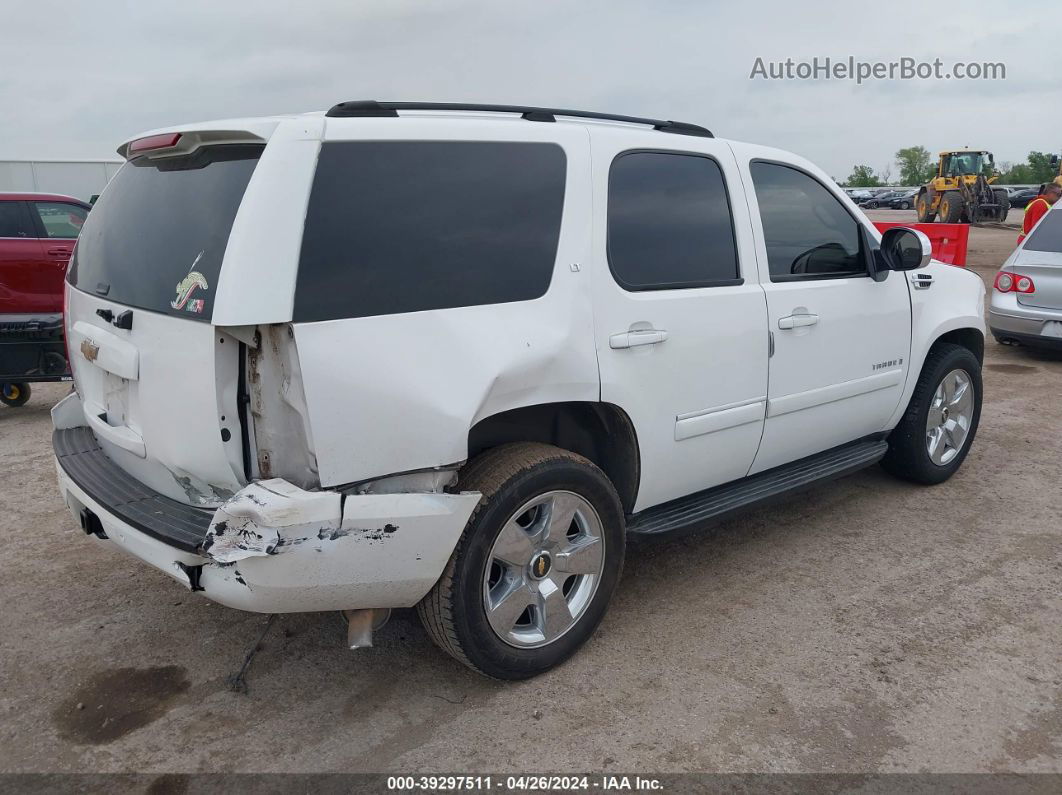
(90, 350)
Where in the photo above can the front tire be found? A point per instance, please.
(1003, 198)
(535, 569)
(951, 207)
(932, 440)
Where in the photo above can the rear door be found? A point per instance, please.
(157, 380)
(680, 318)
(58, 224)
(25, 283)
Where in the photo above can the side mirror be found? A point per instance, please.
(905, 249)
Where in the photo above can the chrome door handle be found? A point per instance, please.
(632, 339)
(796, 321)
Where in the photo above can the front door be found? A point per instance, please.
(680, 318)
(841, 339)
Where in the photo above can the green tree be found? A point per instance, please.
(1019, 174)
(915, 165)
(863, 177)
(1040, 167)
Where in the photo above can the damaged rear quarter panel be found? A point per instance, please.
(396, 393)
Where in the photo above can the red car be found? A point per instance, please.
(37, 235)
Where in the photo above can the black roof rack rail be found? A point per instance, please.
(371, 108)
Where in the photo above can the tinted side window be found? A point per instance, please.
(808, 233)
(1047, 236)
(669, 222)
(11, 220)
(398, 226)
(61, 219)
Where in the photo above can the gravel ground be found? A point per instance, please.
(869, 625)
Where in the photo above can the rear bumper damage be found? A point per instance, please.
(273, 547)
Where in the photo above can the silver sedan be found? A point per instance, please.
(1026, 306)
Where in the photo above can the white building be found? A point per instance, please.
(81, 179)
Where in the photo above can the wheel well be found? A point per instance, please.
(600, 432)
(969, 338)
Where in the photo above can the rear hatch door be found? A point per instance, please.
(157, 380)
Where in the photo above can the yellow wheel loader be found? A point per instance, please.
(962, 190)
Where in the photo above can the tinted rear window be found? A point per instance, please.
(156, 237)
(669, 222)
(1047, 235)
(402, 226)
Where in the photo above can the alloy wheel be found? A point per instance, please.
(950, 415)
(543, 569)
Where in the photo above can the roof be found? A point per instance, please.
(262, 127)
(47, 197)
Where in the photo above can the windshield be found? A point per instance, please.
(156, 237)
(966, 163)
(1047, 236)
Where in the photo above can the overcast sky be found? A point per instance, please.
(78, 78)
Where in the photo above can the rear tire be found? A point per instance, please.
(923, 206)
(511, 618)
(925, 447)
(15, 395)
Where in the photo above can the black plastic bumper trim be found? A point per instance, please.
(181, 526)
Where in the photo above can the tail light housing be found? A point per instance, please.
(66, 329)
(1007, 282)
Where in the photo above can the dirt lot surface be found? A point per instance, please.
(870, 625)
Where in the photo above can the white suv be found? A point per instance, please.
(450, 356)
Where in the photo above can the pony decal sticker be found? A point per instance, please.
(187, 286)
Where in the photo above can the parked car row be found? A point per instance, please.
(882, 198)
(892, 200)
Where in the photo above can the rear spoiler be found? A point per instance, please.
(184, 142)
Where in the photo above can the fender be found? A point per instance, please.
(954, 302)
